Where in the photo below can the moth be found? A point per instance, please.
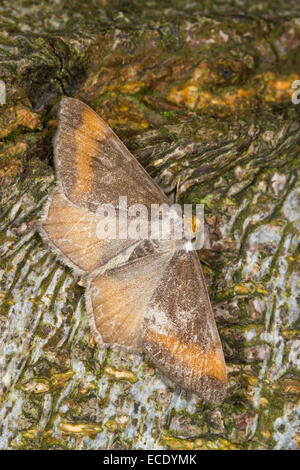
(144, 296)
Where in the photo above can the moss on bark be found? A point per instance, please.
(201, 94)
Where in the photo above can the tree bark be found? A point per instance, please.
(202, 96)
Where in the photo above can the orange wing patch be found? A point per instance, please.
(117, 300)
(209, 363)
(86, 137)
(72, 231)
(116, 316)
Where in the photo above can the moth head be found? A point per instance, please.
(192, 227)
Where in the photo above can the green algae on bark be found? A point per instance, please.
(201, 94)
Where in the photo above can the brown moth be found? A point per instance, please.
(142, 296)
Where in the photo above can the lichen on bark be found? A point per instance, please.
(201, 95)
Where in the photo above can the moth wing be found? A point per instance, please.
(93, 167)
(117, 300)
(92, 164)
(72, 232)
(179, 331)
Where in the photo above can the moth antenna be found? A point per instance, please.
(204, 261)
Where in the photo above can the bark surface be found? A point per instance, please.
(200, 94)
